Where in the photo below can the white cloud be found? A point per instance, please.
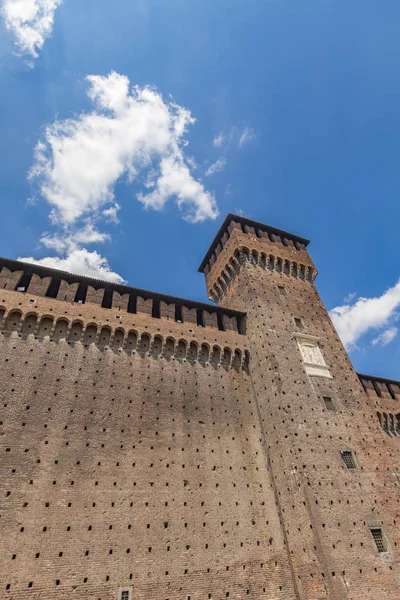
(350, 297)
(130, 134)
(218, 140)
(241, 213)
(81, 262)
(127, 134)
(217, 166)
(228, 190)
(246, 135)
(191, 161)
(386, 337)
(354, 321)
(234, 136)
(72, 240)
(175, 180)
(111, 214)
(30, 22)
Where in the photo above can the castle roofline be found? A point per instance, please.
(377, 378)
(35, 269)
(244, 221)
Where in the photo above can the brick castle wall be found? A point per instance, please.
(184, 452)
(131, 459)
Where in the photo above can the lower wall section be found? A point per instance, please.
(127, 470)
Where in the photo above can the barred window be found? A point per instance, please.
(124, 595)
(348, 459)
(379, 539)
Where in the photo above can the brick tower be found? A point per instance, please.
(335, 473)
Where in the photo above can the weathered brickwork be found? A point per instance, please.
(327, 509)
(182, 451)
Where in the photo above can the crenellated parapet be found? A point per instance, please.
(269, 262)
(385, 394)
(380, 389)
(85, 325)
(242, 242)
(37, 281)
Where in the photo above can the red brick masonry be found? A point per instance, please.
(181, 451)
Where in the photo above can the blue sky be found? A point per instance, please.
(287, 111)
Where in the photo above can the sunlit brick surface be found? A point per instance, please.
(144, 457)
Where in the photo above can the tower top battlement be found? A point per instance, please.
(245, 225)
(243, 241)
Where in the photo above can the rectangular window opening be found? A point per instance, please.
(363, 384)
(53, 288)
(391, 392)
(199, 314)
(281, 289)
(80, 296)
(298, 322)
(376, 388)
(241, 325)
(155, 311)
(348, 459)
(132, 303)
(379, 539)
(220, 322)
(178, 313)
(107, 299)
(24, 282)
(329, 405)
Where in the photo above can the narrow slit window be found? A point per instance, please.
(329, 405)
(379, 539)
(178, 313)
(377, 388)
(241, 325)
(155, 312)
(132, 303)
(107, 299)
(24, 282)
(80, 296)
(53, 288)
(348, 459)
(391, 392)
(199, 313)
